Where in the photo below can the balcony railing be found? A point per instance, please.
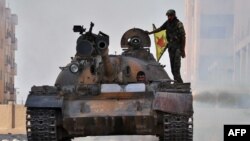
(14, 69)
(8, 96)
(14, 44)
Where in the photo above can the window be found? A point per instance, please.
(216, 26)
(1, 43)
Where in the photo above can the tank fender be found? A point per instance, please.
(47, 101)
(176, 103)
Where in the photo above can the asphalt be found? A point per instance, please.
(11, 137)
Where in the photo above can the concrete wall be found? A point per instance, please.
(12, 119)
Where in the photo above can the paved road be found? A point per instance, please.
(10, 137)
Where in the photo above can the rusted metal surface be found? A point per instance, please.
(90, 108)
(65, 74)
(111, 125)
(135, 32)
(113, 95)
(152, 69)
(109, 104)
(107, 65)
(177, 103)
(174, 87)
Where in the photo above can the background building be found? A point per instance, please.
(210, 43)
(8, 46)
(242, 43)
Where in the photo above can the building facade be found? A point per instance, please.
(242, 43)
(8, 46)
(210, 42)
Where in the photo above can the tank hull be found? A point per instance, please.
(111, 125)
(110, 114)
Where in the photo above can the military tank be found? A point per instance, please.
(98, 94)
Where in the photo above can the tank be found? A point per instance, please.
(97, 94)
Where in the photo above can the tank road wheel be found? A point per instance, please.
(177, 128)
(44, 125)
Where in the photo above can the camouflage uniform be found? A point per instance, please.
(176, 43)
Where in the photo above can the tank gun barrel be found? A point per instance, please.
(102, 46)
(107, 65)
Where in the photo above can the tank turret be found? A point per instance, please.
(91, 46)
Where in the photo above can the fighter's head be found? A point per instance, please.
(171, 14)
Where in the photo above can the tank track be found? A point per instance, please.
(177, 128)
(41, 125)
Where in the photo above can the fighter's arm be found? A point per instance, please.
(182, 36)
(181, 31)
(155, 31)
(158, 29)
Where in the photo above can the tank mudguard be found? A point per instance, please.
(176, 103)
(41, 101)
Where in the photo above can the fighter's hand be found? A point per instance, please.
(147, 32)
(183, 54)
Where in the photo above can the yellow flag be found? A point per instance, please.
(160, 43)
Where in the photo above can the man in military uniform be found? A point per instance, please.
(141, 77)
(176, 42)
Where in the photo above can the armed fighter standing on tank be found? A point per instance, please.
(176, 38)
(98, 94)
